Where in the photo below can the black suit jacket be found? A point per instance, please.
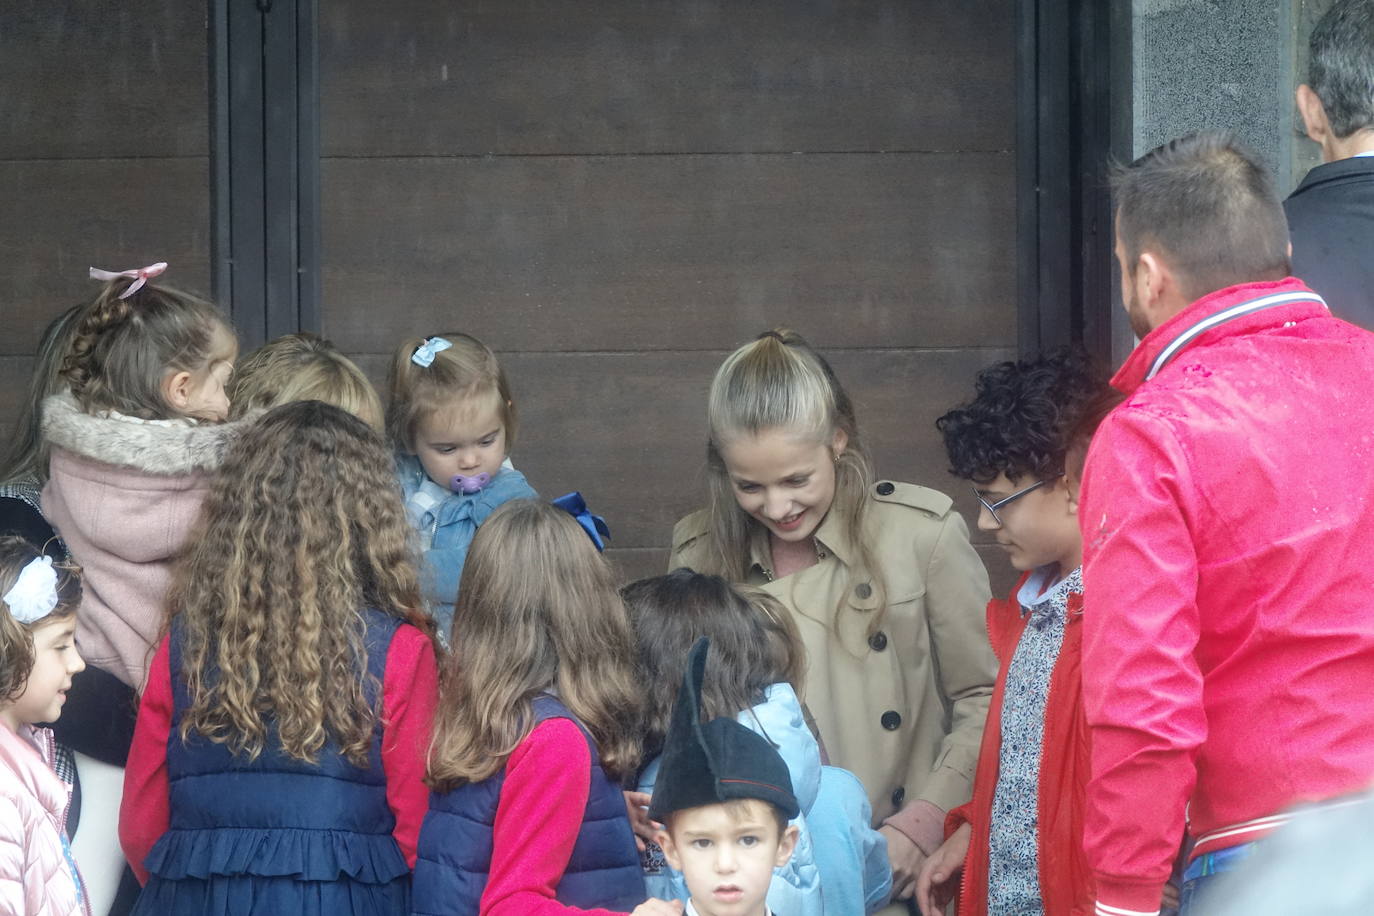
(1331, 221)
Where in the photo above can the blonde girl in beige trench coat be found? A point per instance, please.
(887, 593)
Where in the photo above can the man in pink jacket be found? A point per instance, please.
(1227, 513)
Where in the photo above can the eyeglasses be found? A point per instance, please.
(993, 507)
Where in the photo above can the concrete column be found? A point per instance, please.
(1224, 63)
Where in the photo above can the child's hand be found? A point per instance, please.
(906, 860)
(940, 875)
(654, 907)
(637, 806)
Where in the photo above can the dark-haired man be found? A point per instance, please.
(1331, 214)
(1226, 511)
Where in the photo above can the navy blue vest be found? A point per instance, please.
(277, 815)
(456, 842)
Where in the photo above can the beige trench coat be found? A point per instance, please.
(902, 709)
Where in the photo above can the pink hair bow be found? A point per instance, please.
(140, 276)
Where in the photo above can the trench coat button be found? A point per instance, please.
(891, 720)
(898, 796)
(878, 641)
(885, 488)
(863, 590)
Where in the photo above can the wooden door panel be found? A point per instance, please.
(529, 77)
(671, 252)
(63, 216)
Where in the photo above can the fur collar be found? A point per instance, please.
(150, 447)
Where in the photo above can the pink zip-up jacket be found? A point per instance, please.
(35, 878)
(1227, 511)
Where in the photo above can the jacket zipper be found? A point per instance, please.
(963, 887)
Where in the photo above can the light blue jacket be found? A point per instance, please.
(447, 529)
(840, 866)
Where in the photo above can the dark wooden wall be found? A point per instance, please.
(103, 158)
(613, 195)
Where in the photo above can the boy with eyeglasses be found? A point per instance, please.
(1018, 842)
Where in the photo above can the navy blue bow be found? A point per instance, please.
(595, 526)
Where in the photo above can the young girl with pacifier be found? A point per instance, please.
(537, 729)
(754, 673)
(38, 658)
(878, 577)
(278, 761)
(451, 418)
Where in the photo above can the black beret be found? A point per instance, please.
(716, 762)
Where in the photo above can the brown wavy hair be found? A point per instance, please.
(538, 612)
(27, 453)
(302, 367)
(754, 645)
(16, 639)
(468, 369)
(778, 381)
(123, 348)
(303, 529)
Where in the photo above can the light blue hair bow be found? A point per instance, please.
(595, 526)
(424, 354)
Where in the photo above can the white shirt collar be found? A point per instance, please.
(692, 911)
(1038, 589)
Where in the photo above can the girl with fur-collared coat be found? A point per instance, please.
(131, 447)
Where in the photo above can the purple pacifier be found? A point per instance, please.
(469, 485)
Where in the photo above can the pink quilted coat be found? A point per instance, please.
(125, 496)
(35, 878)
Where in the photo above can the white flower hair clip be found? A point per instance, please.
(34, 595)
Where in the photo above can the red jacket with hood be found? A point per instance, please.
(1227, 511)
(1065, 882)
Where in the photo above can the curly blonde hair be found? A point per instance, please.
(538, 612)
(16, 639)
(302, 530)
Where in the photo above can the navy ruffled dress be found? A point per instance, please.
(277, 836)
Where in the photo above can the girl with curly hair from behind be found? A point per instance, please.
(279, 755)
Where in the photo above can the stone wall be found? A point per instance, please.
(1224, 63)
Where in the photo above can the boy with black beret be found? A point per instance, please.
(724, 798)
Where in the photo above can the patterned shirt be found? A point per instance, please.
(1014, 862)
